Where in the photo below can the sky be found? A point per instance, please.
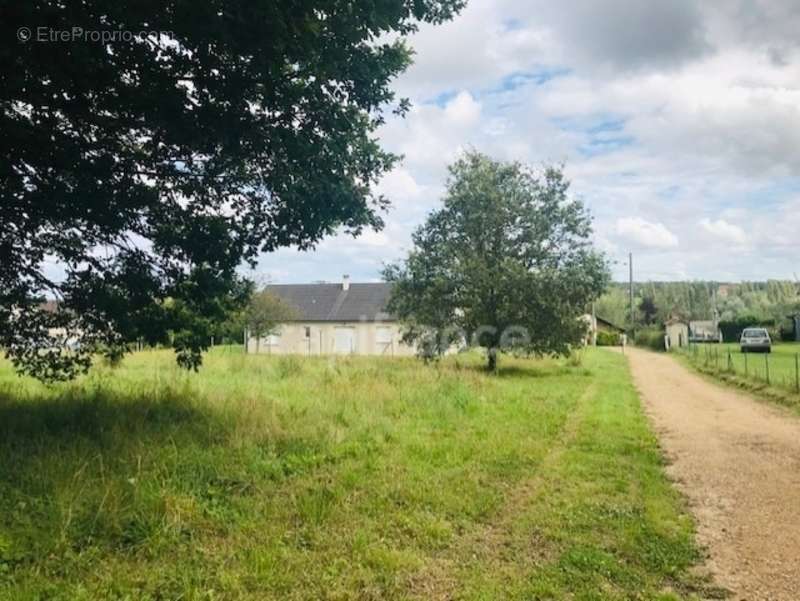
(678, 124)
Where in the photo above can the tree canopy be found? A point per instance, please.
(648, 309)
(148, 168)
(507, 263)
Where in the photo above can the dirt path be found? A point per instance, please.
(738, 462)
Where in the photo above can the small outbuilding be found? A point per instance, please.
(603, 325)
(677, 333)
(596, 325)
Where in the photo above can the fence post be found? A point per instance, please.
(766, 362)
(797, 373)
(730, 361)
(746, 374)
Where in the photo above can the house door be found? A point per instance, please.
(344, 340)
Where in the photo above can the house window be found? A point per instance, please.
(308, 332)
(383, 335)
(274, 339)
(344, 340)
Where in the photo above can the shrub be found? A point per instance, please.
(608, 339)
(652, 338)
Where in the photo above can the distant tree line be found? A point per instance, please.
(736, 306)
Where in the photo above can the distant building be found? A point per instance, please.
(704, 331)
(598, 324)
(724, 290)
(346, 318)
(60, 337)
(677, 333)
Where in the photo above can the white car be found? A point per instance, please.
(755, 340)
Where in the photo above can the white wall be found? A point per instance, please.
(358, 338)
(678, 334)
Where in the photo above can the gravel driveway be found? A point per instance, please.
(738, 462)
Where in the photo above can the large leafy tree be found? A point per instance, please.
(507, 263)
(148, 166)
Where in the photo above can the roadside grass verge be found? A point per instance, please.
(355, 478)
(772, 377)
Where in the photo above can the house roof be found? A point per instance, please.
(330, 302)
(607, 323)
(704, 323)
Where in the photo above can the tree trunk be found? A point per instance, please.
(492, 354)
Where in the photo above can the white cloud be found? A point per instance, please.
(645, 233)
(625, 34)
(603, 244)
(371, 238)
(724, 231)
(475, 48)
(463, 109)
(679, 119)
(400, 185)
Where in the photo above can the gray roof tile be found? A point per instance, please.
(329, 302)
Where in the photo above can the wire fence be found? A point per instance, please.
(778, 369)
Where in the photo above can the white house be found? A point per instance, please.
(346, 318)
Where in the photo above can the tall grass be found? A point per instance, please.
(313, 478)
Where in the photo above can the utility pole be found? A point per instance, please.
(630, 287)
(714, 304)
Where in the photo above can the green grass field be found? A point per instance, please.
(359, 478)
(778, 371)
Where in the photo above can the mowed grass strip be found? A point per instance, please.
(355, 478)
